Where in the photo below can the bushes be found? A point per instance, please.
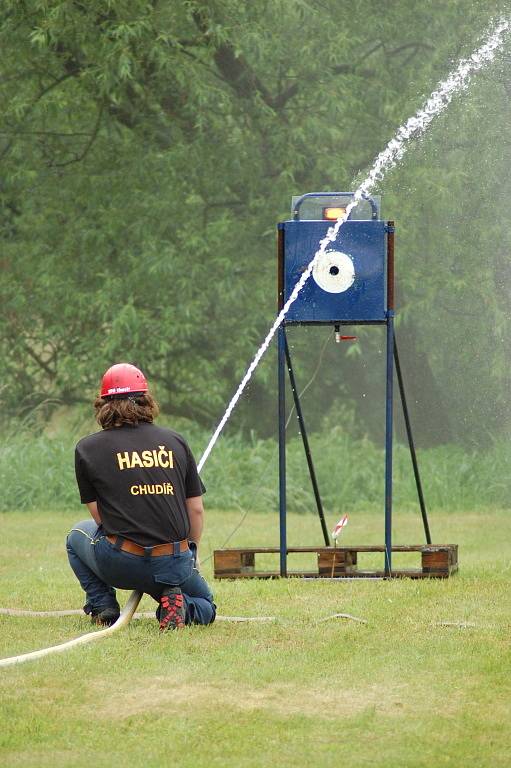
(351, 475)
(37, 471)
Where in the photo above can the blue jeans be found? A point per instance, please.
(100, 567)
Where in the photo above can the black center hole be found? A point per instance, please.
(334, 270)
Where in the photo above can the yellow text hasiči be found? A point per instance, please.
(156, 457)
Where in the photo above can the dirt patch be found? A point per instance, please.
(153, 694)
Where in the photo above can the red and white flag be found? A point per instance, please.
(340, 525)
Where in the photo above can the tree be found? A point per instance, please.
(149, 148)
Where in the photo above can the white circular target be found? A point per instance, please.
(334, 272)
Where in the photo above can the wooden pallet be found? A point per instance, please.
(437, 561)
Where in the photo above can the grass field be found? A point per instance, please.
(403, 689)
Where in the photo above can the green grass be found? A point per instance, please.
(401, 690)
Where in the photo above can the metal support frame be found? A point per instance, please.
(411, 444)
(282, 409)
(282, 452)
(392, 359)
(389, 398)
(305, 440)
(389, 413)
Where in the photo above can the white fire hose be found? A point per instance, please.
(123, 620)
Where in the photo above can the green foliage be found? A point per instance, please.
(37, 471)
(147, 150)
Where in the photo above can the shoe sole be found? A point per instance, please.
(172, 611)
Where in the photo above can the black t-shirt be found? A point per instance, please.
(140, 477)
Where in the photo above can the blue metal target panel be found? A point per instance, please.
(348, 284)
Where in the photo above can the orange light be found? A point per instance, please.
(332, 214)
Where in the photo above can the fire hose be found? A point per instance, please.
(123, 620)
(127, 614)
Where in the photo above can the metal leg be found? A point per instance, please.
(411, 444)
(388, 444)
(282, 449)
(306, 446)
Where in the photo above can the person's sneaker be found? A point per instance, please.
(105, 617)
(172, 609)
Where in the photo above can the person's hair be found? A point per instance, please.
(114, 412)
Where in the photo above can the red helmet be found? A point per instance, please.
(121, 379)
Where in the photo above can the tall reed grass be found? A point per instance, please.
(37, 471)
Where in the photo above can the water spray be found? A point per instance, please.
(387, 159)
(414, 127)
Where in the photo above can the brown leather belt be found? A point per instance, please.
(156, 551)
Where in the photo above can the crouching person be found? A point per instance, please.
(142, 488)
